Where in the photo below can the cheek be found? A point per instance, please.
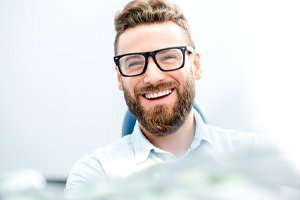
(181, 75)
(189, 72)
(129, 84)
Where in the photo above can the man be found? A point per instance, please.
(156, 65)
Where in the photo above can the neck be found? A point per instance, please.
(178, 142)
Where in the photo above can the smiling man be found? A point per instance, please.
(156, 66)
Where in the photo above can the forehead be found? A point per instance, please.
(150, 37)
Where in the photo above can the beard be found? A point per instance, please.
(162, 120)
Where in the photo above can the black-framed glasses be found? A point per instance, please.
(166, 59)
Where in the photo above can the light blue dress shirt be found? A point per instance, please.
(134, 152)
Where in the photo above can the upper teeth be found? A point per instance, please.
(159, 94)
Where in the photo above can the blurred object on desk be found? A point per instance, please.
(247, 174)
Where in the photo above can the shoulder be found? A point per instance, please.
(100, 165)
(232, 139)
(121, 146)
(112, 154)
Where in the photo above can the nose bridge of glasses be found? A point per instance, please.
(153, 71)
(150, 58)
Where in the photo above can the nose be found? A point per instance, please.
(153, 74)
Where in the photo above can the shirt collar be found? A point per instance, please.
(142, 146)
(201, 132)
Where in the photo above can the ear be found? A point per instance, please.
(119, 78)
(197, 66)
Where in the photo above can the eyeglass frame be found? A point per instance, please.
(152, 54)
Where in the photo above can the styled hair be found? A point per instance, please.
(140, 12)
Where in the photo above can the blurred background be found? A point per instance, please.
(58, 89)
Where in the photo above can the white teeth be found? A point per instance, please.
(159, 94)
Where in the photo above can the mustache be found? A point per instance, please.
(155, 88)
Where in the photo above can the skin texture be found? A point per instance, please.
(167, 122)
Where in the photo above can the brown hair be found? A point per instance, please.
(139, 12)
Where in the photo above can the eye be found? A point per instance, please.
(169, 57)
(133, 61)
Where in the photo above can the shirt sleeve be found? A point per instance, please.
(86, 174)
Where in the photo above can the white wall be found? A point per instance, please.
(58, 91)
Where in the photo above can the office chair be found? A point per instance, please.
(130, 120)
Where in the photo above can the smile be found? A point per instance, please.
(158, 95)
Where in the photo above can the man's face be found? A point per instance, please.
(161, 101)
